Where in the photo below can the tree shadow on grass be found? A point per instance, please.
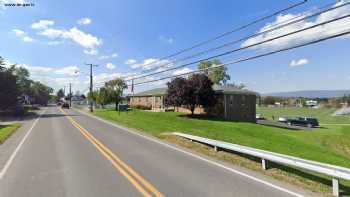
(204, 117)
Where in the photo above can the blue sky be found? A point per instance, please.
(53, 39)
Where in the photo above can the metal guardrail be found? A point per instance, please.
(336, 172)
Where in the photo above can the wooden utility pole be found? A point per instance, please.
(70, 94)
(91, 86)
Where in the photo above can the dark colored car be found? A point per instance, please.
(65, 105)
(304, 121)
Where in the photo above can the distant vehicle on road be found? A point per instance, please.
(65, 105)
(303, 121)
(282, 119)
(259, 117)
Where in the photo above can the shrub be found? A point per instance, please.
(142, 107)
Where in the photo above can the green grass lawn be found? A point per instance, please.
(330, 145)
(324, 115)
(6, 131)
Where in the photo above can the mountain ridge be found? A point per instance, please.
(310, 93)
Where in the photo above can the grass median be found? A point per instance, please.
(7, 130)
(329, 144)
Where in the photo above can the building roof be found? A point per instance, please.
(217, 89)
(232, 90)
(153, 92)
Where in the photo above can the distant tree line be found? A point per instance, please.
(17, 88)
(301, 101)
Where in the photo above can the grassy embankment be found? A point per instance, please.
(330, 145)
(7, 130)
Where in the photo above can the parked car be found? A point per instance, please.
(65, 105)
(282, 119)
(259, 117)
(304, 121)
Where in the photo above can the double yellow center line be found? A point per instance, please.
(142, 185)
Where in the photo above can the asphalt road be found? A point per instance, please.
(72, 154)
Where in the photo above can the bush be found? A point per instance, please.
(142, 107)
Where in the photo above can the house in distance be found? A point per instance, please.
(232, 103)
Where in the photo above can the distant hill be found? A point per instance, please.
(311, 93)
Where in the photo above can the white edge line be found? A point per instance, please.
(195, 156)
(13, 155)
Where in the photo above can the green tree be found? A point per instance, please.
(103, 97)
(9, 92)
(115, 89)
(60, 94)
(22, 79)
(40, 93)
(192, 92)
(216, 75)
(92, 96)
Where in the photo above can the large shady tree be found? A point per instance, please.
(217, 75)
(192, 92)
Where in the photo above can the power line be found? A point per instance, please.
(280, 25)
(242, 48)
(217, 37)
(226, 33)
(251, 58)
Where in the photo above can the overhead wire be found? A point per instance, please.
(251, 58)
(249, 46)
(227, 33)
(277, 26)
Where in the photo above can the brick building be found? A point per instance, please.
(232, 104)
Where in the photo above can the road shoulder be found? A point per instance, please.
(230, 167)
(10, 144)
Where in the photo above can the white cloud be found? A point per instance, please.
(59, 82)
(68, 70)
(84, 21)
(150, 63)
(23, 35)
(103, 77)
(299, 62)
(42, 24)
(182, 71)
(36, 69)
(104, 57)
(130, 61)
(53, 43)
(305, 36)
(19, 32)
(110, 66)
(166, 40)
(87, 41)
(90, 51)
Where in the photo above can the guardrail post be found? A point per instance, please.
(215, 148)
(264, 164)
(335, 183)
